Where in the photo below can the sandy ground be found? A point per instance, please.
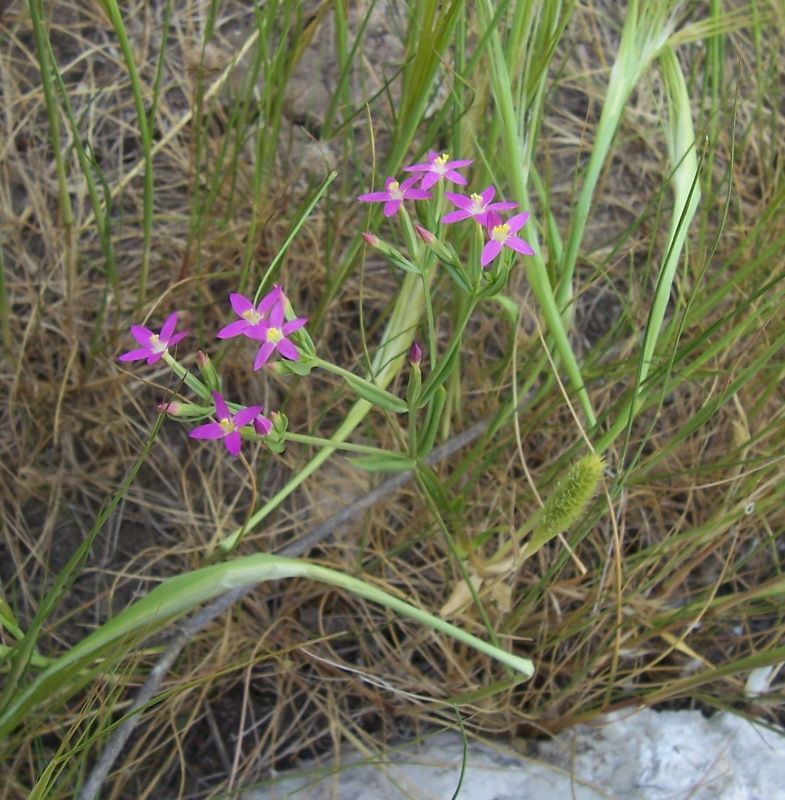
(642, 755)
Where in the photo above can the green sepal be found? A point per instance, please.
(190, 411)
(209, 375)
(377, 396)
(413, 388)
(432, 419)
(386, 463)
(275, 440)
(301, 367)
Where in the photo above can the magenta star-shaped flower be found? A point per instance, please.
(439, 166)
(395, 193)
(476, 206)
(272, 333)
(154, 345)
(228, 425)
(503, 235)
(251, 317)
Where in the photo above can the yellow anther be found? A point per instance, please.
(274, 335)
(442, 159)
(500, 232)
(251, 315)
(227, 426)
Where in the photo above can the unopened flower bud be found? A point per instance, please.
(371, 239)
(425, 235)
(208, 371)
(170, 408)
(262, 425)
(415, 354)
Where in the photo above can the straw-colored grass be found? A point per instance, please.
(668, 590)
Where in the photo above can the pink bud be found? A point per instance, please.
(170, 408)
(425, 235)
(201, 359)
(371, 239)
(262, 425)
(415, 354)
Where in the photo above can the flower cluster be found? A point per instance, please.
(479, 207)
(263, 322)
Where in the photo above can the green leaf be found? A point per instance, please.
(377, 396)
(388, 463)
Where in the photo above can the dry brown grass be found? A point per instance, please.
(297, 668)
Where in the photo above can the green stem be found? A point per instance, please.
(113, 11)
(318, 441)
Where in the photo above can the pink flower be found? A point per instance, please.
(395, 193)
(476, 206)
(502, 235)
(439, 166)
(251, 317)
(154, 345)
(228, 425)
(273, 333)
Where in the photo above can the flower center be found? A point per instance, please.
(251, 315)
(395, 190)
(478, 207)
(156, 345)
(227, 426)
(500, 232)
(440, 163)
(274, 335)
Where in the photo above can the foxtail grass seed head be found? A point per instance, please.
(570, 497)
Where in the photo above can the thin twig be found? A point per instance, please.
(190, 627)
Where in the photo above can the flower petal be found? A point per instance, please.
(293, 325)
(276, 316)
(265, 351)
(220, 406)
(152, 356)
(178, 337)
(246, 415)
(374, 197)
(134, 355)
(418, 168)
(463, 162)
(455, 177)
(487, 194)
(518, 221)
(210, 430)
(409, 182)
(489, 252)
(390, 207)
(288, 350)
(240, 303)
(167, 329)
(459, 200)
(272, 297)
(236, 328)
(141, 334)
(503, 206)
(455, 216)
(429, 180)
(417, 194)
(233, 442)
(519, 245)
